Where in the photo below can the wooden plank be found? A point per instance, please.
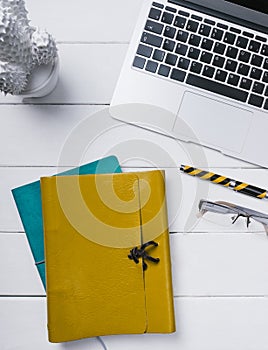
(225, 264)
(18, 272)
(207, 324)
(86, 20)
(23, 326)
(88, 74)
(183, 192)
(202, 323)
(50, 135)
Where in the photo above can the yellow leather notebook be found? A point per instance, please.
(107, 255)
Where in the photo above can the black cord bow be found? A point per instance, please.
(137, 253)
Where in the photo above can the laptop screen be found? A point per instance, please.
(254, 11)
(260, 5)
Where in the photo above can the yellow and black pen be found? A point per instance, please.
(232, 184)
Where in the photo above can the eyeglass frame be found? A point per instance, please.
(230, 208)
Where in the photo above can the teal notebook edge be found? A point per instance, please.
(28, 202)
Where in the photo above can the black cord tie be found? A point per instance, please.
(242, 215)
(137, 253)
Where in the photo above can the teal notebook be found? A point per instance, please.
(28, 201)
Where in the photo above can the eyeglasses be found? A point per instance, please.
(236, 211)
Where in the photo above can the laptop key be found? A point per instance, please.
(208, 71)
(255, 100)
(164, 70)
(265, 64)
(207, 44)
(197, 18)
(155, 14)
(193, 53)
(264, 50)
(180, 21)
(154, 27)
(182, 36)
(144, 50)
(206, 57)
(167, 18)
(171, 59)
(181, 49)
(235, 30)
(216, 87)
(223, 26)
(265, 77)
(233, 79)
(229, 38)
(246, 83)
(219, 48)
(254, 46)
(139, 62)
(258, 87)
(168, 45)
(221, 75)
(231, 52)
(204, 30)
(183, 63)
(266, 91)
(194, 40)
(243, 69)
(196, 67)
(230, 65)
(192, 25)
(171, 9)
(217, 34)
(261, 38)
(241, 42)
(244, 56)
(209, 21)
(256, 73)
(266, 104)
(156, 4)
(256, 60)
(169, 32)
(159, 55)
(151, 66)
(151, 39)
(184, 13)
(248, 34)
(177, 74)
(218, 61)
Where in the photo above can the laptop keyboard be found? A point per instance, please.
(228, 60)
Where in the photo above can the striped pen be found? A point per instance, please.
(232, 184)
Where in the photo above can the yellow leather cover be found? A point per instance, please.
(91, 222)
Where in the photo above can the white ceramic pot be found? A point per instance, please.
(42, 81)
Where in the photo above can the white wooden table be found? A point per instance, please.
(220, 276)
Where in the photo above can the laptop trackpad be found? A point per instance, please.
(212, 123)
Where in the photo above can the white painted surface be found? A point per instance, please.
(219, 275)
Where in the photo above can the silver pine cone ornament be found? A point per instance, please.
(22, 47)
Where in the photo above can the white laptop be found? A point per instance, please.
(197, 70)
